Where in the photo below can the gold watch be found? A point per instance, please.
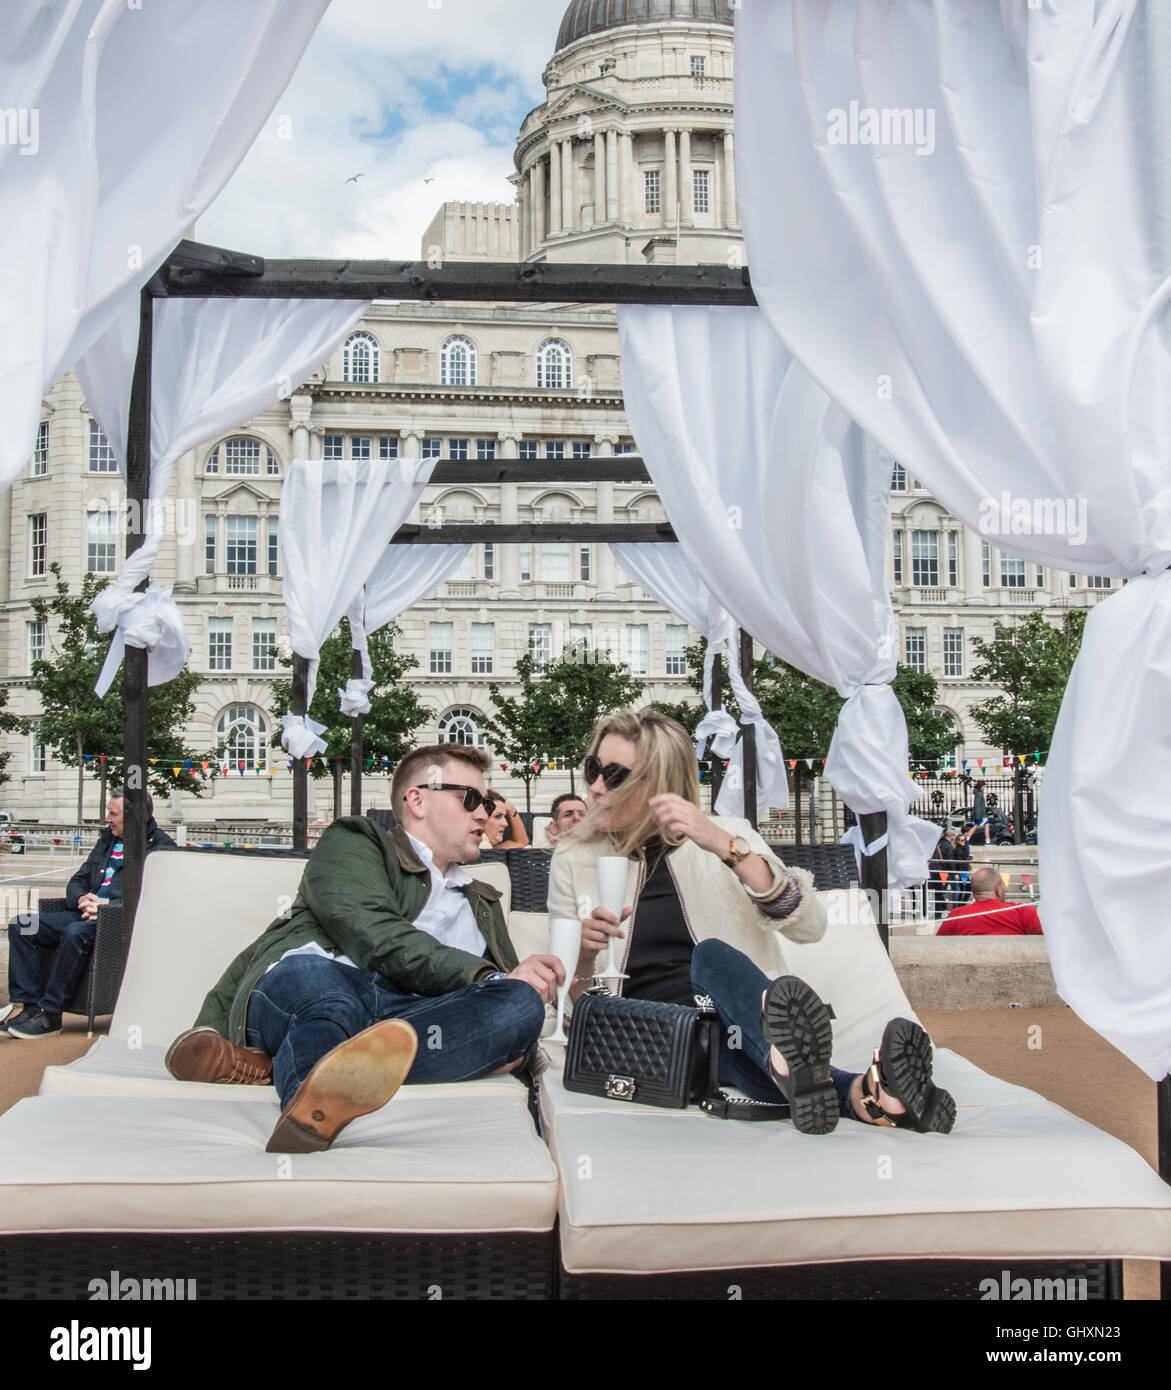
(738, 849)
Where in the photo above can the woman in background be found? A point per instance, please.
(505, 829)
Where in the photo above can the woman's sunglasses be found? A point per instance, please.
(472, 798)
(612, 775)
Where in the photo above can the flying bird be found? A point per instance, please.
(354, 178)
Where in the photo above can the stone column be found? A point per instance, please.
(686, 191)
(731, 211)
(627, 193)
(611, 176)
(971, 563)
(538, 172)
(605, 571)
(6, 555)
(522, 228)
(599, 178)
(316, 447)
(670, 179)
(189, 532)
(568, 200)
(412, 447)
(555, 203)
(508, 556)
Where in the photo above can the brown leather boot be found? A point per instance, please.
(201, 1054)
(358, 1076)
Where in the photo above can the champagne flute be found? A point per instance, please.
(612, 875)
(565, 944)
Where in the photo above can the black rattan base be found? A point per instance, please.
(865, 1279)
(285, 1266)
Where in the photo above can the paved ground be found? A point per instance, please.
(1072, 1066)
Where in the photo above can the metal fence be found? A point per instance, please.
(943, 797)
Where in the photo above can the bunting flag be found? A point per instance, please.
(792, 764)
(503, 767)
(980, 764)
(823, 762)
(809, 764)
(101, 757)
(943, 875)
(174, 772)
(1006, 878)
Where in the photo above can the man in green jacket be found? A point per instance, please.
(388, 940)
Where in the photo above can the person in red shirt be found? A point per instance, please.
(989, 914)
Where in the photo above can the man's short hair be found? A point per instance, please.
(413, 769)
(984, 880)
(119, 794)
(562, 799)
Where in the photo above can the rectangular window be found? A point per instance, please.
(219, 644)
(36, 749)
(636, 648)
(1012, 573)
(897, 555)
(555, 563)
(483, 649)
(485, 448)
(440, 642)
(917, 648)
(432, 448)
(331, 446)
(986, 564)
(489, 559)
(263, 644)
(242, 456)
(36, 641)
(953, 651)
(387, 446)
(101, 456)
(273, 533)
(541, 644)
(701, 190)
(953, 559)
(41, 452)
(101, 546)
(698, 65)
(360, 446)
(38, 544)
(209, 545)
(528, 448)
(581, 637)
(526, 560)
(241, 544)
(652, 197)
(467, 566)
(898, 478)
(1040, 577)
(273, 469)
(457, 448)
(676, 642)
(581, 451)
(627, 448)
(585, 566)
(925, 558)
(1099, 581)
(555, 448)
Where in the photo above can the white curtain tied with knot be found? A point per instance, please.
(662, 571)
(985, 291)
(781, 505)
(336, 521)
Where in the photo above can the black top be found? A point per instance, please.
(659, 963)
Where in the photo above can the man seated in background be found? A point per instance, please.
(69, 934)
(989, 914)
(567, 811)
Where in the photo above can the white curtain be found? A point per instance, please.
(775, 498)
(129, 121)
(664, 572)
(216, 363)
(403, 575)
(336, 520)
(985, 292)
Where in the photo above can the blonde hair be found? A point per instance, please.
(664, 761)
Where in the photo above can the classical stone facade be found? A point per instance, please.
(629, 160)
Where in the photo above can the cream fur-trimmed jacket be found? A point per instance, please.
(715, 902)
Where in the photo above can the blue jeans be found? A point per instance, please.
(735, 985)
(65, 933)
(306, 1005)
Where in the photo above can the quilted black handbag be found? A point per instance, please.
(652, 1054)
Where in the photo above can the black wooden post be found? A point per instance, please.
(134, 663)
(1164, 1123)
(717, 703)
(300, 766)
(357, 729)
(748, 734)
(337, 787)
(874, 870)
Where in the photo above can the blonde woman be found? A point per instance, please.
(710, 903)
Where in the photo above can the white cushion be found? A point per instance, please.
(530, 933)
(435, 1159)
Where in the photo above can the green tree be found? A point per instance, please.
(520, 731)
(10, 723)
(396, 713)
(931, 735)
(75, 723)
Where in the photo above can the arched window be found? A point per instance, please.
(242, 457)
(457, 363)
(460, 726)
(360, 358)
(554, 365)
(243, 731)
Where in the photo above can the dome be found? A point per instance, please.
(586, 17)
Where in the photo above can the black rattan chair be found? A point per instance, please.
(383, 817)
(97, 990)
(528, 869)
(832, 866)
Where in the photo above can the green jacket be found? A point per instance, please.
(361, 891)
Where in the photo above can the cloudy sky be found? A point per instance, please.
(400, 91)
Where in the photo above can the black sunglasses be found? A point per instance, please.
(472, 798)
(612, 775)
